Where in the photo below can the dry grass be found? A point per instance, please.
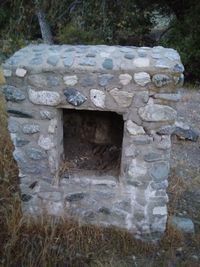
(46, 242)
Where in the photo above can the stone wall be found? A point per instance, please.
(137, 83)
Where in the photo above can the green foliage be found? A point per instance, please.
(71, 34)
(110, 22)
(185, 37)
(9, 45)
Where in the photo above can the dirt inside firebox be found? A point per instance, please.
(93, 140)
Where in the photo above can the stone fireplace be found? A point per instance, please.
(91, 129)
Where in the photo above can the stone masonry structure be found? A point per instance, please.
(44, 83)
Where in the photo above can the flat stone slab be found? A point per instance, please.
(44, 57)
(183, 224)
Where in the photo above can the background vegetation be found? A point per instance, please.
(124, 22)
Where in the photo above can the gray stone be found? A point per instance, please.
(7, 73)
(53, 81)
(75, 196)
(52, 126)
(125, 78)
(134, 129)
(53, 60)
(159, 186)
(142, 78)
(18, 113)
(104, 210)
(186, 134)
(142, 140)
(13, 126)
(108, 64)
(74, 97)
(141, 62)
(25, 197)
(13, 94)
(184, 225)
(98, 98)
(131, 151)
(105, 79)
(40, 47)
(162, 64)
(52, 196)
(160, 171)
(68, 61)
(46, 115)
(161, 80)
(172, 55)
(140, 99)
(70, 80)
(178, 68)
(30, 128)
(157, 55)
(91, 55)
(151, 157)
(122, 98)
(87, 81)
(35, 153)
(47, 98)
(36, 61)
(19, 157)
(157, 113)
(46, 142)
(53, 160)
(88, 62)
(179, 81)
(129, 56)
(142, 53)
(70, 49)
(137, 169)
(13, 60)
(19, 142)
(168, 97)
(165, 143)
(166, 130)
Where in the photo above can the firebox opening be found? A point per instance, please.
(93, 140)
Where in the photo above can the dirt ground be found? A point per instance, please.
(185, 157)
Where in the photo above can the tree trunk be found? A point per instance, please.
(44, 27)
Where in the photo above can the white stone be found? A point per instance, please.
(47, 98)
(160, 210)
(125, 78)
(137, 169)
(46, 142)
(142, 78)
(104, 54)
(181, 124)
(134, 129)
(141, 62)
(70, 80)
(165, 142)
(131, 151)
(7, 73)
(157, 113)
(122, 98)
(52, 126)
(98, 98)
(54, 208)
(53, 160)
(20, 72)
